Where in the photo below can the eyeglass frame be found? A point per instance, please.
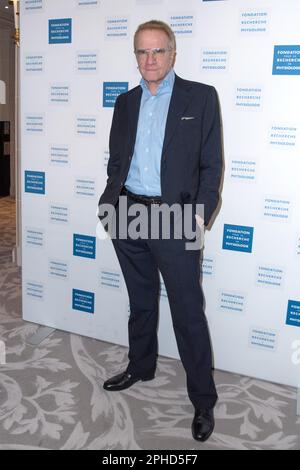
(155, 52)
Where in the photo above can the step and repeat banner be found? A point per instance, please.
(76, 58)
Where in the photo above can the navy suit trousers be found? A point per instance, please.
(140, 261)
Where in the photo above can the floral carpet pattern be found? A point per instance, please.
(51, 395)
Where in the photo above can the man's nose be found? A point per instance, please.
(150, 58)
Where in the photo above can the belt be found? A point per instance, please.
(147, 200)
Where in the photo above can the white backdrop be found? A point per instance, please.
(77, 56)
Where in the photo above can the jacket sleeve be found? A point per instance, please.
(114, 142)
(114, 160)
(211, 162)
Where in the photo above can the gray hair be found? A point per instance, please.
(158, 26)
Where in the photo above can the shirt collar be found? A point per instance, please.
(166, 85)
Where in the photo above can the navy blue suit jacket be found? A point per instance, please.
(191, 162)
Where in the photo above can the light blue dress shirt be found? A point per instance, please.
(144, 172)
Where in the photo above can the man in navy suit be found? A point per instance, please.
(165, 148)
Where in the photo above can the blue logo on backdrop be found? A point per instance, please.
(270, 276)
(86, 125)
(110, 279)
(84, 246)
(83, 301)
(31, 6)
(35, 182)
(214, 60)
(35, 290)
(105, 157)
(248, 97)
(283, 136)
(87, 61)
(60, 31)
(59, 93)
(275, 208)
(208, 266)
(34, 124)
(238, 238)
(111, 91)
(182, 24)
(254, 21)
(116, 28)
(232, 301)
(298, 246)
(293, 313)
(34, 237)
(243, 170)
(59, 214)
(58, 269)
(263, 339)
(88, 3)
(34, 63)
(286, 60)
(59, 154)
(85, 187)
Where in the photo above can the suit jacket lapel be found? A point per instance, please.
(133, 103)
(178, 104)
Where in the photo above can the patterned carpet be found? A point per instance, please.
(51, 396)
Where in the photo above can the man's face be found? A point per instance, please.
(154, 67)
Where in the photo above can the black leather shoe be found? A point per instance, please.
(123, 381)
(203, 424)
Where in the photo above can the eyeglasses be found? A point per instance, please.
(156, 52)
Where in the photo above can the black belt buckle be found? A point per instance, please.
(141, 199)
(148, 200)
(155, 202)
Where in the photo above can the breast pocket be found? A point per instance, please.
(190, 131)
(190, 119)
